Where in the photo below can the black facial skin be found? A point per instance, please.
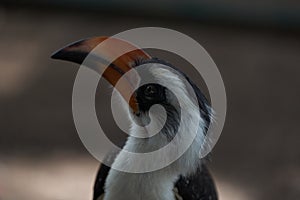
(150, 94)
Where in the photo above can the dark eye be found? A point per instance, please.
(150, 90)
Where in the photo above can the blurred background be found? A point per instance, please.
(255, 44)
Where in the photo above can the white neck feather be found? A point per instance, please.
(151, 185)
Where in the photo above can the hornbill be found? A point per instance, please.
(187, 177)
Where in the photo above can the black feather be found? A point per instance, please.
(197, 186)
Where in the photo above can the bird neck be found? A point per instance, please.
(139, 186)
(155, 184)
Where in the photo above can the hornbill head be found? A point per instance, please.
(156, 83)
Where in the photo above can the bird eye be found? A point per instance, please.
(150, 90)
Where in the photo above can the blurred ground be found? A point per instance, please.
(68, 177)
(42, 157)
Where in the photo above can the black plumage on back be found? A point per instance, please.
(100, 181)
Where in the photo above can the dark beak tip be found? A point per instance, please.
(65, 51)
(56, 54)
(68, 54)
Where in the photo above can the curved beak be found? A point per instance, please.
(110, 56)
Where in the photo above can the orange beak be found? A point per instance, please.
(110, 56)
